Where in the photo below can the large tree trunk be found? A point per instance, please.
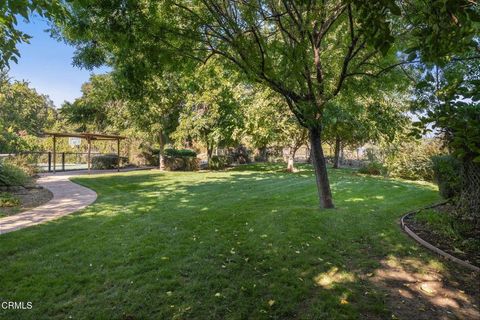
(336, 159)
(161, 158)
(320, 165)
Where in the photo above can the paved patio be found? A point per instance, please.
(68, 197)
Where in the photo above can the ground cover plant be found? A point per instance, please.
(232, 244)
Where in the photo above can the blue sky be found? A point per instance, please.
(47, 64)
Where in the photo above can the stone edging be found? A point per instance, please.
(430, 246)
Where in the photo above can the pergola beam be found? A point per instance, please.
(89, 137)
(92, 136)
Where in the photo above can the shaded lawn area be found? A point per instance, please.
(246, 243)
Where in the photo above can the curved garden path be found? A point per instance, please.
(68, 197)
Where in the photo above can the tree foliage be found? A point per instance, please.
(211, 113)
(24, 113)
(13, 10)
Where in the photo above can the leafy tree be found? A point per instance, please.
(448, 99)
(211, 113)
(372, 113)
(106, 107)
(307, 51)
(99, 109)
(268, 123)
(11, 11)
(23, 113)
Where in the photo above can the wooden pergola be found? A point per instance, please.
(89, 137)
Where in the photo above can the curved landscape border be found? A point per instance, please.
(429, 245)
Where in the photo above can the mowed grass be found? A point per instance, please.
(248, 243)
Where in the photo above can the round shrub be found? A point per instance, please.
(25, 162)
(181, 163)
(447, 173)
(107, 161)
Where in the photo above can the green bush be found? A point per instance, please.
(412, 160)
(218, 162)
(180, 153)
(11, 175)
(8, 200)
(151, 156)
(181, 163)
(373, 168)
(25, 162)
(447, 175)
(107, 161)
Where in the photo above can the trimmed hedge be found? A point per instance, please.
(107, 161)
(179, 153)
(151, 156)
(181, 163)
(447, 174)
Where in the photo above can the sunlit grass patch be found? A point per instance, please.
(231, 244)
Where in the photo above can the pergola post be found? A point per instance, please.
(118, 155)
(88, 155)
(54, 153)
(87, 136)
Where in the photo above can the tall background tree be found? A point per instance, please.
(211, 112)
(24, 113)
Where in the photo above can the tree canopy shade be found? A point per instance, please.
(307, 51)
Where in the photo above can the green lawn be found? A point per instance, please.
(247, 243)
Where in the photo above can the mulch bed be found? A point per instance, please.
(29, 198)
(439, 240)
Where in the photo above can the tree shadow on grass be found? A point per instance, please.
(234, 245)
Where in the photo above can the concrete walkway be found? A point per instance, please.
(68, 197)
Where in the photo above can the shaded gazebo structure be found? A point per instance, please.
(87, 136)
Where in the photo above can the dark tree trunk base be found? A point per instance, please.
(320, 165)
(336, 160)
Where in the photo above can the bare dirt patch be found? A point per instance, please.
(418, 291)
(29, 198)
(442, 241)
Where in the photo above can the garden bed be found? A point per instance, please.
(24, 199)
(438, 227)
